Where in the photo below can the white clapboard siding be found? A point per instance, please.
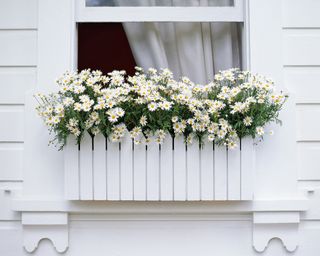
(303, 41)
(139, 172)
(207, 171)
(99, 168)
(247, 165)
(14, 82)
(179, 169)
(303, 82)
(113, 170)
(12, 123)
(234, 174)
(153, 172)
(18, 48)
(300, 14)
(11, 159)
(166, 169)
(18, 14)
(193, 171)
(308, 160)
(86, 172)
(221, 172)
(126, 168)
(71, 166)
(122, 171)
(308, 119)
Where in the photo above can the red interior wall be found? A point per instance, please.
(104, 46)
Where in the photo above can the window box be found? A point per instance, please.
(104, 170)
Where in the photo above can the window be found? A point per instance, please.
(196, 43)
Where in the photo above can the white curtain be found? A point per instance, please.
(196, 50)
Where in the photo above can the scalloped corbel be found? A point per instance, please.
(280, 225)
(38, 226)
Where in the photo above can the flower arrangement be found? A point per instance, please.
(151, 104)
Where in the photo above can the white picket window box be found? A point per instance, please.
(104, 170)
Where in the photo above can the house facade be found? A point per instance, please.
(38, 42)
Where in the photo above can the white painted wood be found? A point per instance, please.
(276, 217)
(162, 13)
(270, 160)
(234, 174)
(267, 205)
(99, 168)
(8, 191)
(179, 169)
(113, 170)
(300, 14)
(281, 225)
(303, 82)
(308, 160)
(71, 169)
(11, 159)
(308, 118)
(18, 14)
(12, 123)
(18, 47)
(303, 41)
(193, 171)
(175, 175)
(207, 171)
(220, 172)
(86, 171)
(126, 167)
(247, 168)
(14, 82)
(166, 172)
(140, 172)
(50, 218)
(153, 171)
(53, 33)
(52, 226)
(56, 31)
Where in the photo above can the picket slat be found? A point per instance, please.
(207, 171)
(247, 158)
(139, 172)
(113, 170)
(166, 169)
(99, 168)
(126, 168)
(86, 172)
(71, 169)
(153, 172)
(234, 174)
(220, 167)
(193, 171)
(179, 169)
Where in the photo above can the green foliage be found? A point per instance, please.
(152, 104)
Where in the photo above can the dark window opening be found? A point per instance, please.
(104, 46)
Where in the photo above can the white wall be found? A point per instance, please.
(18, 63)
(18, 67)
(203, 235)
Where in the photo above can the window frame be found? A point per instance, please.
(235, 13)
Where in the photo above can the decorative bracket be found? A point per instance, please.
(45, 225)
(281, 225)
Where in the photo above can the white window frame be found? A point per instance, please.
(233, 13)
